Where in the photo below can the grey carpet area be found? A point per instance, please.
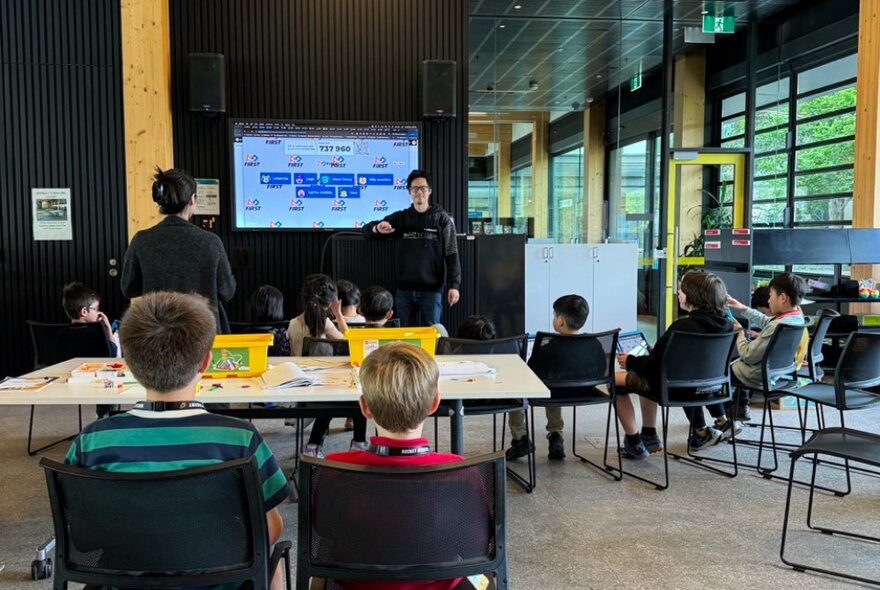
(578, 529)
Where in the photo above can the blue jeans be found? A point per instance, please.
(418, 308)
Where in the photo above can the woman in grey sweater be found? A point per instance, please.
(176, 255)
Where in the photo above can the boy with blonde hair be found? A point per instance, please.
(399, 391)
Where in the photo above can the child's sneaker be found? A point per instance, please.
(519, 447)
(636, 452)
(699, 441)
(728, 427)
(313, 450)
(557, 447)
(652, 443)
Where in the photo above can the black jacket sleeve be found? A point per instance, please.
(450, 253)
(368, 229)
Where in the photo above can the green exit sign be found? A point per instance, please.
(635, 82)
(718, 24)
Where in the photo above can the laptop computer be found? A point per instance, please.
(633, 343)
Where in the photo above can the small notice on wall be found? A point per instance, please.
(51, 214)
(207, 196)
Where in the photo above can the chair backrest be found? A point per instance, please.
(256, 327)
(202, 526)
(434, 522)
(814, 351)
(568, 363)
(779, 358)
(392, 323)
(55, 343)
(511, 345)
(858, 366)
(695, 363)
(324, 347)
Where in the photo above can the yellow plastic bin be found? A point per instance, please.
(239, 355)
(363, 341)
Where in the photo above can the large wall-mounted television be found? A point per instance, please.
(319, 175)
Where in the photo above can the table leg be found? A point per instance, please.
(456, 427)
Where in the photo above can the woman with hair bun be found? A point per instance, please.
(176, 255)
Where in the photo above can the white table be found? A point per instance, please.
(512, 380)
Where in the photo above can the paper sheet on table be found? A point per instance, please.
(285, 375)
(464, 368)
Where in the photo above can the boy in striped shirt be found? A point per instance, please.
(167, 338)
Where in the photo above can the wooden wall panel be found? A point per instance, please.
(61, 126)
(315, 59)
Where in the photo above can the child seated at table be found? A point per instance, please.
(267, 305)
(477, 327)
(167, 339)
(350, 296)
(377, 306)
(399, 385)
(82, 305)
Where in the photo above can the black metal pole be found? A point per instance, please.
(665, 130)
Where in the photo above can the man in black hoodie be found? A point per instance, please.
(702, 295)
(427, 260)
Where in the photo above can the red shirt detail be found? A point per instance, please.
(368, 458)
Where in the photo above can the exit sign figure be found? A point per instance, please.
(718, 24)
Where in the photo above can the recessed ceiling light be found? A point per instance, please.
(517, 6)
(599, 76)
(502, 26)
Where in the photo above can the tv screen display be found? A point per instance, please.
(293, 175)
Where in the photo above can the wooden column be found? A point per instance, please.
(539, 206)
(688, 125)
(502, 168)
(146, 91)
(866, 173)
(594, 172)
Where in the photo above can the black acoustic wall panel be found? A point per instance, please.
(315, 60)
(61, 126)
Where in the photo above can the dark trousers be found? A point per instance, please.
(698, 419)
(418, 308)
(322, 426)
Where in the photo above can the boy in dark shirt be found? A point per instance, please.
(569, 316)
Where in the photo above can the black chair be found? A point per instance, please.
(812, 368)
(324, 347)
(778, 379)
(256, 327)
(448, 521)
(858, 369)
(842, 443)
(56, 343)
(573, 367)
(512, 345)
(193, 527)
(694, 372)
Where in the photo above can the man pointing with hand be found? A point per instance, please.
(427, 259)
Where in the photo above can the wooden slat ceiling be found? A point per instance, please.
(575, 49)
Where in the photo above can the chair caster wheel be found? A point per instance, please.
(40, 570)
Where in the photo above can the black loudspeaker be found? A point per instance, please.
(207, 83)
(438, 88)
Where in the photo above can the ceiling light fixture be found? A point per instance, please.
(534, 85)
(517, 6)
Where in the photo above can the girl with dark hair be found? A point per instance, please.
(175, 255)
(319, 302)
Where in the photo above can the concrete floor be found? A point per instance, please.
(577, 530)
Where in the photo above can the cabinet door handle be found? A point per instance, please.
(545, 252)
(551, 251)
